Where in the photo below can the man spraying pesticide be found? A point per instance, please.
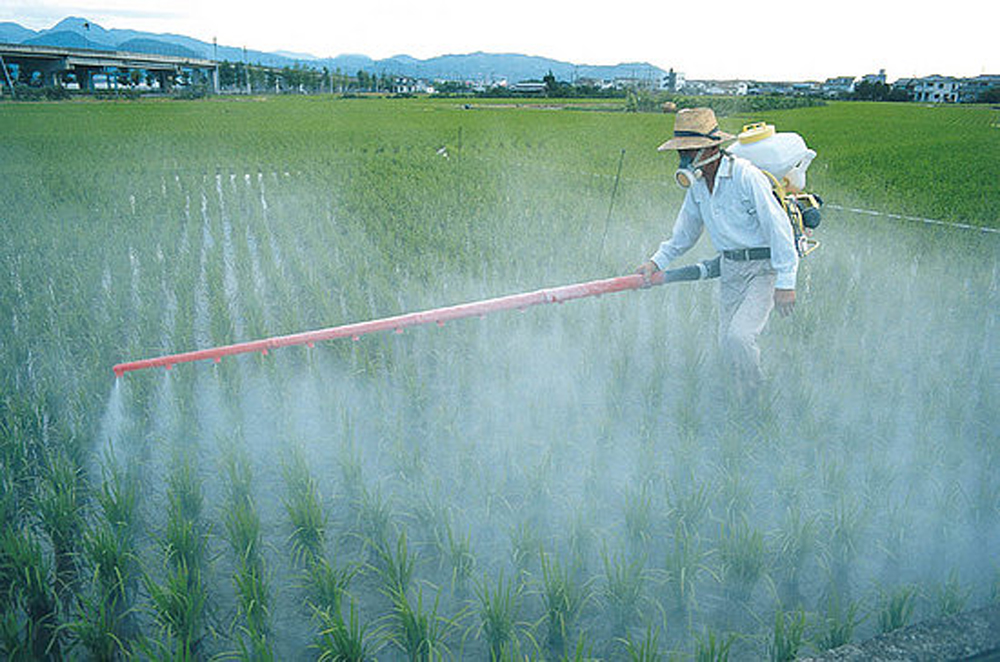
(746, 210)
(746, 216)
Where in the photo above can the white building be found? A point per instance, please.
(936, 89)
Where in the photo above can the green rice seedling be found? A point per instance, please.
(344, 641)
(562, 598)
(420, 633)
(685, 562)
(951, 596)
(582, 651)
(788, 636)
(60, 510)
(112, 559)
(350, 471)
(308, 519)
(253, 595)
(184, 542)
(744, 558)
(896, 608)
(458, 554)
(525, 547)
(237, 467)
(623, 590)
(687, 509)
(178, 607)
(184, 493)
(326, 585)
(253, 599)
(498, 611)
(374, 519)
(712, 647)
(395, 567)
(97, 627)
(11, 643)
(736, 491)
(646, 649)
(794, 542)
(638, 517)
(846, 528)
(118, 498)
(242, 528)
(837, 625)
(27, 579)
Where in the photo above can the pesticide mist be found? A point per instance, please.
(567, 482)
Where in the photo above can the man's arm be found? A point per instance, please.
(781, 240)
(687, 230)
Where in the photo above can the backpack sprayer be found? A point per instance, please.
(783, 157)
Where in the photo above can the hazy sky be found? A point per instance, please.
(721, 39)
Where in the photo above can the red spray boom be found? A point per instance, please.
(707, 269)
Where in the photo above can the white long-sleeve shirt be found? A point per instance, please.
(741, 212)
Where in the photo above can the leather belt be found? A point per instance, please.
(744, 254)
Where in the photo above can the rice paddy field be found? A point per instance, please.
(563, 483)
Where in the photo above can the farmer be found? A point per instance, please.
(732, 198)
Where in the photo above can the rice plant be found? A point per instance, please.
(28, 581)
(253, 598)
(646, 649)
(118, 498)
(711, 646)
(178, 606)
(687, 509)
(744, 558)
(563, 598)
(113, 561)
(343, 640)
(498, 611)
(456, 551)
(686, 561)
(395, 567)
(639, 517)
(305, 512)
(837, 624)
(896, 608)
(950, 596)
(97, 626)
(374, 519)
(623, 590)
(326, 585)
(788, 636)
(420, 632)
(60, 510)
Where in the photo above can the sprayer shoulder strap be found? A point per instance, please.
(776, 186)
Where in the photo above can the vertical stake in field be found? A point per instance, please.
(611, 205)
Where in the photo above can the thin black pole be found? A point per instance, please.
(611, 205)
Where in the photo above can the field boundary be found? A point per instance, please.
(916, 219)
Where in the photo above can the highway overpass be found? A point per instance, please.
(57, 66)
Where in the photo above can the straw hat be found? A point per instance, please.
(695, 128)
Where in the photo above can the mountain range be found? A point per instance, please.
(75, 32)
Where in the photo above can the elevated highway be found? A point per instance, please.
(56, 65)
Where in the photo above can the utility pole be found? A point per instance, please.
(246, 69)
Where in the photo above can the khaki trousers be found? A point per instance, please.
(746, 298)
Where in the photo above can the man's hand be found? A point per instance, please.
(646, 270)
(784, 301)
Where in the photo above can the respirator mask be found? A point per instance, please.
(689, 168)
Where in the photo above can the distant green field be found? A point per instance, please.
(566, 483)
